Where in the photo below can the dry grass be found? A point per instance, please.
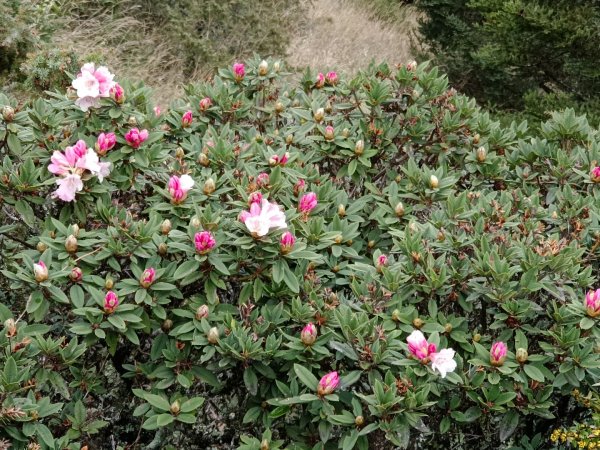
(339, 34)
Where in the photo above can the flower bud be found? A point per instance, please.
(213, 335)
(108, 283)
(147, 277)
(341, 210)
(287, 242)
(476, 138)
(413, 227)
(481, 154)
(10, 327)
(320, 81)
(239, 71)
(359, 420)
(476, 337)
(202, 312)
(205, 103)
(328, 384)
(308, 336)
(71, 244)
(203, 160)
(8, 113)
(345, 132)
(319, 115)
(263, 68)
(448, 328)
(279, 108)
(371, 243)
(554, 214)
(411, 66)
(76, 275)
(110, 302)
(399, 209)
(204, 242)
(276, 66)
(162, 249)
(133, 121)
(359, 147)
(175, 407)
(396, 315)
(40, 272)
(117, 94)
(41, 247)
(328, 107)
(522, 355)
(382, 261)
(165, 227)
(331, 78)
(179, 153)
(434, 182)
(264, 445)
(418, 322)
(167, 325)
(329, 133)
(498, 353)
(289, 139)
(186, 119)
(595, 174)
(209, 186)
(592, 303)
(262, 179)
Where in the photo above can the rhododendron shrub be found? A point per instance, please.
(269, 263)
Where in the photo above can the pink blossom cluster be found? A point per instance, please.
(91, 85)
(592, 303)
(263, 217)
(442, 361)
(328, 383)
(179, 187)
(73, 166)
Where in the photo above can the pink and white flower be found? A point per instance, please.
(262, 179)
(419, 347)
(262, 218)
(308, 335)
(117, 93)
(382, 261)
(135, 137)
(595, 174)
(205, 103)
(331, 78)
(498, 353)
(204, 242)
(186, 119)
(156, 110)
(320, 82)
(592, 303)
(443, 361)
(105, 142)
(308, 202)
(328, 383)
(179, 187)
(276, 160)
(255, 197)
(40, 271)
(299, 187)
(111, 301)
(92, 84)
(239, 71)
(287, 242)
(147, 277)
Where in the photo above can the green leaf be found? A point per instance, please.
(306, 376)
(534, 373)
(508, 424)
(26, 212)
(186, 269)
(251, 381)
(45, 434)
(192, 404)
(164, 419)
(158, 401)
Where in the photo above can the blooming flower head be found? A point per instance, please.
(147, 277)
(595, 174)
(263, 217)
(239, 71)
(204, 242)
(205, 103)
(279, 160)
(105, 142)
(110, 302)
(40, 271)
(320, 82)
(179, 187)
(300, 186)
(328, 383)
(331, 78)
(308, 202)
(287, 242)
(262, 179)
(592, 303)
(419, 347)
(92, 84)
(135, 137)
(186, 119)
(117, 93)
(498, 353)
(443, 361)
(308, 335)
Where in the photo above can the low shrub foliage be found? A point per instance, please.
(320, 263)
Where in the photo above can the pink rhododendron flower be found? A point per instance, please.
(110, 302)
(239, 71)
(76, 275)
(156, 110)
(186, 119)
(498, 353)
(595, 174)
(117, 93)
(328, 383)
(320, 82)
(40, 271)
(179, 187)
(204, 242)
(92, 84)
(205, 103)
(255, 197)
(261, 218)
(308, 202)
(68, 187)
(329, 133)
(382, 260)
(279, 160)
(443, 361)
(308, 335)
(419, 347)
(287, 242)
(147, 277)
(331, 78)
(592, 303)
(105, 142)
(135, 137)
(262, 179)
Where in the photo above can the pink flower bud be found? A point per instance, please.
(308, 202)
(117, 93)
(419, 347)
(40, 271)
(331, 78)
(76, 275)
(147, 277)
(202, 312)
(205, 103)
(204, 242)
(262, 179)
(287, 242)
(179, 187)
(411, 66)
(110, 302)
(595, 174)
(592, 303)
(105, 142)
(186, 119)
(299, 187)
(255, 197)
(498, 353)
(309, 334)
(328, 383)
(156, 110)
(329, 133)
(135, 137)
(382, 261)
(279, 160)
(239, 71)
(320, 82)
